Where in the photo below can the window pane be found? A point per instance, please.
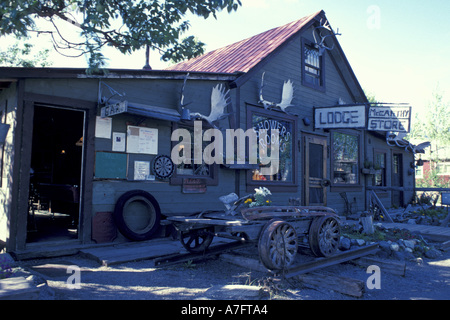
(286, 133)
(193, 169)
(315, 160)
(345, 158)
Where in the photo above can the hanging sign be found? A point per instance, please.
(396, 119)
(340, 117)
(113, 109)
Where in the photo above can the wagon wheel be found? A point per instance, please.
(198, 240)
(324, 235)
(277, 245)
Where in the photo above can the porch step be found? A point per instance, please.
(135, 251)
(433, 233)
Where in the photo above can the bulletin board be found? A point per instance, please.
(111, 165)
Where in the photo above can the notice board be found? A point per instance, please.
(111, 165)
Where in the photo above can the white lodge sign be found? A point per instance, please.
(379, 118)
(340, 117)
(395, 119)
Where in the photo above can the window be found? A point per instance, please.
(261, 120)
(312, 67)
(193, 169)
(419, 172)
(345, 159)
(443, 169)
(379, 165)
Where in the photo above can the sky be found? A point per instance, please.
(399, 50)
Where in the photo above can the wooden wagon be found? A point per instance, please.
(278, 231)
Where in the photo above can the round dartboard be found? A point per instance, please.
(163, 167)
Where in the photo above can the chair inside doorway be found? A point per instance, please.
(55, 174)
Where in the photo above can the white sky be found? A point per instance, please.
(398, 49)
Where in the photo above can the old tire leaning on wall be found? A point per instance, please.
(137, 215)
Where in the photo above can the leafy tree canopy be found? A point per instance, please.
(127, 25)
(22, 54)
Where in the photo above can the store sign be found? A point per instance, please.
(340, 117)
(395, 119)
(113, 109)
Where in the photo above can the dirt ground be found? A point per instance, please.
(424, 279)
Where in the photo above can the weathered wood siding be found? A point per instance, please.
(282, 67)
(8, 109)
(161, 93)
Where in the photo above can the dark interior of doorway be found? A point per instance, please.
(55, 174)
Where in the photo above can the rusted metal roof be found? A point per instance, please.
(243, 55)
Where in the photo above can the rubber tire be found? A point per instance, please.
(119, 218)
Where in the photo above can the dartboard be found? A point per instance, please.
(163, 167)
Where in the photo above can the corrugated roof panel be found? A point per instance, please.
(245, 54)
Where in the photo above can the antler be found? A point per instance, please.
(321, 45)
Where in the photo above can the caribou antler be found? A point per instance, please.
(324, 26)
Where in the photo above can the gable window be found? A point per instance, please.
(345, 158)
(312, 63)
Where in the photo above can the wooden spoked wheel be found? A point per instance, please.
(324, 236)
(277, 245)
(198, 240)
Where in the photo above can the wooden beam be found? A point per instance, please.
(374, 197)
(348, 286)
(393, 267)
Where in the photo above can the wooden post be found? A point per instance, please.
(375, 198)
(367, 223)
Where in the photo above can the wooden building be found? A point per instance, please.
(68, 158)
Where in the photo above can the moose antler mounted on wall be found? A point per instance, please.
(324, 25)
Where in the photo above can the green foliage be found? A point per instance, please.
(19, 55)
(125, 25)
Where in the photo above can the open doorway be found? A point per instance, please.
(55, 175)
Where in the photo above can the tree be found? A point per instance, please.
(123, 24)
(19, 55)
(434, 126)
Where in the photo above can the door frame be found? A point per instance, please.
(322, 140)
(87, 171)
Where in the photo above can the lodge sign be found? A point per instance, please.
(340, 117)
(113, 109)
(395, 119)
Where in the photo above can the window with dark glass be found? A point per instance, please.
(345, 158)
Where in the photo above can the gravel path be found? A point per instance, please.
(429, 279)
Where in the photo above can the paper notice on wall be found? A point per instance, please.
(118, 142)
(141, 170)
(103, 127)
(142, 140)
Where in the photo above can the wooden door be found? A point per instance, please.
(315, 177)
(397, 179)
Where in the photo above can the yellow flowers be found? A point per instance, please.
(249, 200)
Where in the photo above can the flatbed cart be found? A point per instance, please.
(278, 231)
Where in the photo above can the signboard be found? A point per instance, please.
(193, 185)
(396, 119)
(445, 198)
(340, 117)
(113, 109)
